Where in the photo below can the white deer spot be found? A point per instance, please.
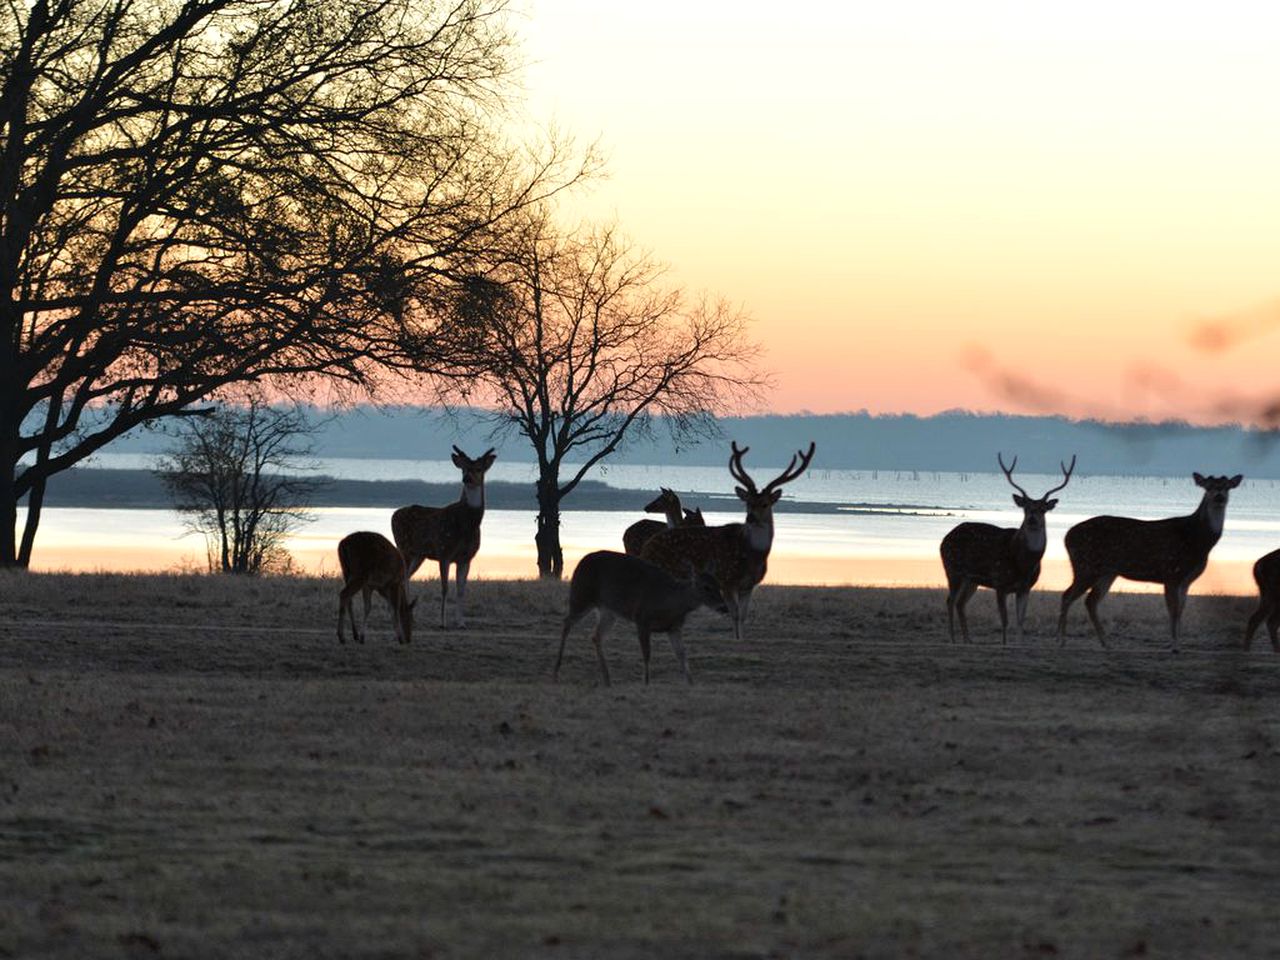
(474, 495)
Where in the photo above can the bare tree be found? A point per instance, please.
(196, 193)
(575, 342)
(234, 475)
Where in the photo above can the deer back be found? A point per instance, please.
(639, 533)
(721, 551)
(1155, 551)
(633, 589)
(990, 556)
(369, 558)
(438, 533)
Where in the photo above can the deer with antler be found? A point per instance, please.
(666, 502)
(1003, 558)
(735, 555)
(1172, 552)
(449, 534)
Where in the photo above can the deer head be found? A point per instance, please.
(1217, 491)
(473, 472)
(665, 502)
(760, 502)
(1033, 509)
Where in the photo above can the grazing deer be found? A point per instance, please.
(638, 534)
(735, 555)
(370, 562)
(449, 535)
(618, 585)
(1002, 558)
(1266, 573)
(1172, 552)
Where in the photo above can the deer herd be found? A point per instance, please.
(670, 568)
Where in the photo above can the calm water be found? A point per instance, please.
(887, 533)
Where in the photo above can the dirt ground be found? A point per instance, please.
(193, 767)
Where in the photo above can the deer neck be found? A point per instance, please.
(758, 532)
(1031, 540)
(675, 515)
(473, 496)
(1209, 519)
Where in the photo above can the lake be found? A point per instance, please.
(884, 532)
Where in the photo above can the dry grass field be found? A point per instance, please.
(192, 767)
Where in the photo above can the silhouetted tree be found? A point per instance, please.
(577, 345)
(234, 476)
(196, 193)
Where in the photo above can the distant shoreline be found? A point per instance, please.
(118, 489)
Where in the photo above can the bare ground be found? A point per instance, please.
(192, 767)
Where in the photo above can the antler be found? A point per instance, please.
(1008, 474)
(735, 467)
(792, 470)
(1066, 475)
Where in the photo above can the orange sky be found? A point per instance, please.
(915, 200)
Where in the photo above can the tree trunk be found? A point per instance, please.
(10, 555)
(8, 519)
(547, 539)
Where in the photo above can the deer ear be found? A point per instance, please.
(458, 461)
(1050, 504)
(775, 496)
(1019, 501)
(741, 492)
(1235, 481)
(1200, 481)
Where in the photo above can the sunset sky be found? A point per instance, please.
(919, 201)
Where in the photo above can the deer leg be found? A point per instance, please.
(675, 635)
(411, 564)
(735, 612)
(967, 591)
(569, 621)
(952, 590)
(597, 637)
(1273, 625)
(460, 613)
(1020, 607)
(1255, 620)
(645, 646)
(1171, 604)
(344, 610)
(1096, 594)
(1069, 596)
(1002, 604)
(444, 590)
(367, 596)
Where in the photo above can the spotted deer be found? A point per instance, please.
(619, 585)
(1003, 558)
(449, 534)
(369, 563)
(735, 555)
(1172, 552)
(668, 502)
(1266, 574)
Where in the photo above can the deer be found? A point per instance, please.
(449, 534)
(1003, 558)
(668, 502)
(370, 562)
(1266, 574)
(620, 585)
(1172, 552)
(735, 555)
